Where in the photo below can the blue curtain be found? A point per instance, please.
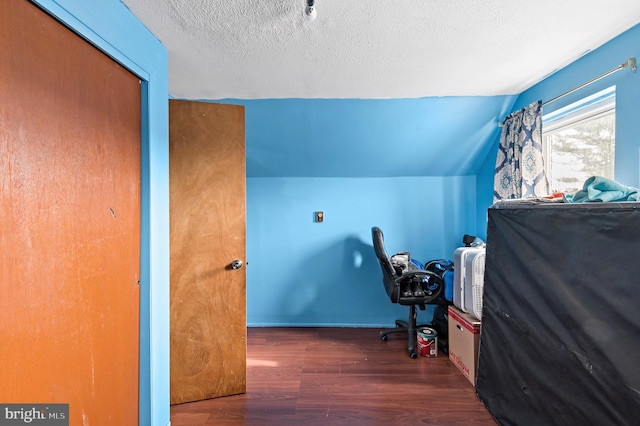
(519, 165)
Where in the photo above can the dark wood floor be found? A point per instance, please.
(342, 376)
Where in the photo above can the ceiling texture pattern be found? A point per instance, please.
(247, 49)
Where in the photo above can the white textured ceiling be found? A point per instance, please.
(249, 49)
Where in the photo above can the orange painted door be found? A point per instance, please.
(69, 220)
(207, 210)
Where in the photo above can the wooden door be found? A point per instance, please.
(69, 220)
(207, 210)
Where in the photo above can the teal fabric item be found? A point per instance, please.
(602, 189)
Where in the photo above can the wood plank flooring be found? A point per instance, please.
(341, 376)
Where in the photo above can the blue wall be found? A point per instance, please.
(447, 136)
(595, 63)
(304, 273)
(110, 26)
(405, 165)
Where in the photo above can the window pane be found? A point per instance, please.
(579, 151)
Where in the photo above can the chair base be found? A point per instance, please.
(409, 327)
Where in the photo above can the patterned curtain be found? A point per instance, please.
(519, 165)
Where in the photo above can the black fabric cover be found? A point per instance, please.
(560, 341)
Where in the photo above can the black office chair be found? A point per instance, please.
(406, 284)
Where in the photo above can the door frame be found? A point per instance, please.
(110, 27)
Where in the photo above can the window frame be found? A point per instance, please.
(591, 107)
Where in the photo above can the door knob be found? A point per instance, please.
(236, 264)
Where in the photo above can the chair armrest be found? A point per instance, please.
(432, 290)
(411, 274)
(415, 273)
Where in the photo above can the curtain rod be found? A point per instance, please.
(631, 62)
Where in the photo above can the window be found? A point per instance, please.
(578, 141)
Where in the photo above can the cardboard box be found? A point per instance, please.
(464, 337)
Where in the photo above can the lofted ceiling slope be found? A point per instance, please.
(444, 136)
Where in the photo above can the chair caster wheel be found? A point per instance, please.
(413, 355)
(384, 337)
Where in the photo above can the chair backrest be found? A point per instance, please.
(381, 253)
(388, 271)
